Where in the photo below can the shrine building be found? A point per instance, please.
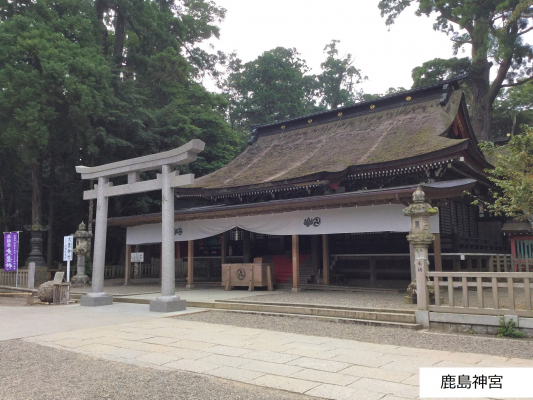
(321, 197)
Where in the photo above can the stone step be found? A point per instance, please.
(405, 325)
(305, 309)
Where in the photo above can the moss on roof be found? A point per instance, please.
(406, 131)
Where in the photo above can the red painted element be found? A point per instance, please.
(334, 185)
(283, 268)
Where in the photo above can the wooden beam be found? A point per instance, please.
(437, 253)
(245, 246)
(127, 266)
(325, 259)
(295, 264)
(314, 253)
(223, 247)
(190, 265)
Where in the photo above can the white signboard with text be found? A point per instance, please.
(137, 257)
(68, 245)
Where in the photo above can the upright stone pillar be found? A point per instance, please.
(421, 238)
(168, 301)
(97, 296)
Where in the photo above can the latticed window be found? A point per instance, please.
(235, 235)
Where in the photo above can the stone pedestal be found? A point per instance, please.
(167, 304)
(36, 254)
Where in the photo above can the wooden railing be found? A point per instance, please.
(9, 278)
(494, 293)
(113, 271)
(523, 264)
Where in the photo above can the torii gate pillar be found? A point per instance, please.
(166, 182)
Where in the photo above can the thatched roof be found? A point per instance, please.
(392, 130)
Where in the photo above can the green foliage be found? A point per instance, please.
(439, 69)
(494, 29)
(54, 81)
(338, 80)
(271, 88)
(508, 329)
(89, 83)
(513, 175)
(512, 109)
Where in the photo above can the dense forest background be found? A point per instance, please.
(88, 82)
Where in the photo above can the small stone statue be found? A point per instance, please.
(82, 245)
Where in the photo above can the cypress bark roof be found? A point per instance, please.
(394, 129)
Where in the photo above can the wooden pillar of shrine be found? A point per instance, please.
(246, 247)
(127, 265)
(325, 259)
(190, 265)
(437, 253)
(295, 264)
(223, 247)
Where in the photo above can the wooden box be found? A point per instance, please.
(249, 275)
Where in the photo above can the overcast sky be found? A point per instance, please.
(385, 56)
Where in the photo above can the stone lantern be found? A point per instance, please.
(420, 237)
(82, 238)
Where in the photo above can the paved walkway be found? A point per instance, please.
(317, 366)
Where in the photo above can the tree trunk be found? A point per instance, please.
(51, 201)
(36, 179)
(513, 118)
(120, 37)
(481, 104)
(101, 6)
(4, 209)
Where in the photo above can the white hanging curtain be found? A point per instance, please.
(366, 219)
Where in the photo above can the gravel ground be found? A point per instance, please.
(503, 347)
(32, 371)
(349, 299)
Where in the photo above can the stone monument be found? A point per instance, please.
(82, 247)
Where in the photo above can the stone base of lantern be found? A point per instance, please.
(80, 280)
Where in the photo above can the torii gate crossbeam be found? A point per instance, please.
(166, 182)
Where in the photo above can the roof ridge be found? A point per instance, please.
(362, 103)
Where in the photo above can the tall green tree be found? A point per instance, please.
(494, 29)
(54, 83)
(273, 87)
(339, 78)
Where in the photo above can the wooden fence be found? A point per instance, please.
(9, 278)
(488, 293)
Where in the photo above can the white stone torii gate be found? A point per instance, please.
(166, 182)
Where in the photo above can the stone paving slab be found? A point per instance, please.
(235, 374)
(343, 393)
(317, 366)
(380, 386)
(285, 383)
(271, 368)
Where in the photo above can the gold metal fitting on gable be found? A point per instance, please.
(309, 121)
(372, 106)
(408, 98)
(282, 126)
(339, 114)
